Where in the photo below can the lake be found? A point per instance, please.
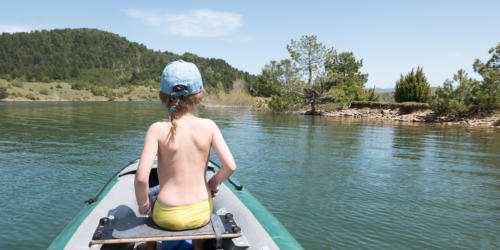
(332, 182)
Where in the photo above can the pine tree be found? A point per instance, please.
(413, 87)
(471, 96)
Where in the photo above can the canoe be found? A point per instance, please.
(260, 229)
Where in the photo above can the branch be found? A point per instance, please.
(325, 99)
(296, 93)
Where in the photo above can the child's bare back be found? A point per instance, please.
(182, 160)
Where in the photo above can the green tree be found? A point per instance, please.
(371, 96)
(328, 76)
(345, 79)
(287, 75)
(471, 96)
(266, 84)
(277, 77)
(489, 88)
(456, 101)
(413, 87)
(309, 54)
(344, 69)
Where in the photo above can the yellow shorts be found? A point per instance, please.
(182, 217)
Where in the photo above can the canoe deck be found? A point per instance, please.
(143, 229)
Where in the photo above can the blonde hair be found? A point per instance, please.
(180, 104)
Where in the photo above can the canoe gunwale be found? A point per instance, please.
(63, 238)
(271, 224)
(278, 233)
(65, 235)
(98, 195)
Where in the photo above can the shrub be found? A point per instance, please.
(97, 91)
(413, 87)
(265, 87)
(44, 91)
(45, 79)
(346, 93)
(101, 91)
(109, 93)
(80, 86)
(371, 96)
(129, 90)
(31, 96)
(471, 96)
(3, 93)
(462, 100)
(59, 86)
(18, 84)
(6, 77)
(489, 88)
(260, 104)
(281, 102)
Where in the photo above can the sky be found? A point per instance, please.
(391, 37)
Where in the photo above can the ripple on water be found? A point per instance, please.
(333, 183)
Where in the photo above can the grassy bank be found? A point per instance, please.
(238, 96)
(231, 99)
(63, 91)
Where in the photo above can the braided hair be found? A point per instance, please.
(179, 105)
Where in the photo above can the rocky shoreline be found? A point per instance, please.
(422, 115)
(399, 112)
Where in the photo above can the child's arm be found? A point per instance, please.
(148, 156)
(226, 158)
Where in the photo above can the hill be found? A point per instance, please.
(88, 58)
(383, 90)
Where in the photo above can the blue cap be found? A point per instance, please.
(181, 73)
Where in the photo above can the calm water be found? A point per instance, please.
(333, 183)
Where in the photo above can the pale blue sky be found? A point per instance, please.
(390, 36)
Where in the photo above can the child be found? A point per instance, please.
(183, 146)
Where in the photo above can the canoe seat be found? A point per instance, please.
(143, 229)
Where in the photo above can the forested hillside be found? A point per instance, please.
(86, 57)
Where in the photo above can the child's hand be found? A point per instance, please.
(214, 188)
(146, 208)
(215, 193)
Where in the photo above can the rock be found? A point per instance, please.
(423, 115)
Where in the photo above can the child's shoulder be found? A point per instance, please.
(207, 122)
(159, 125)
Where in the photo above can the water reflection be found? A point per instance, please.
(334, 183)
(409, 143)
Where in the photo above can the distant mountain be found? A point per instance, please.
(100, 58)
(384, 90)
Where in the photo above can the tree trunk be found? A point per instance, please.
(310, 76)
(314, 98)
(313, 106)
